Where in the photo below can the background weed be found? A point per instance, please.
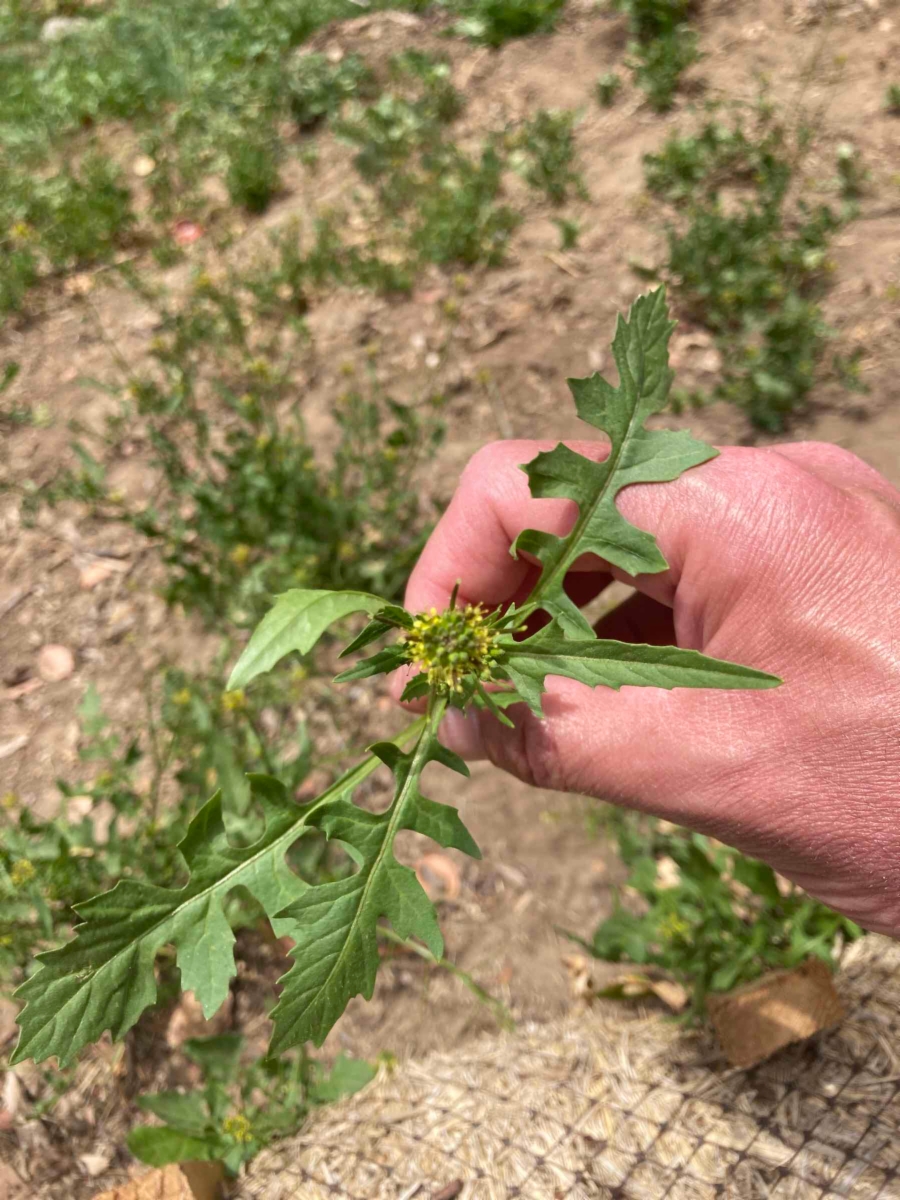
(748, 257)
(607, 88)
(663, 46)
(497, 21)
(708, 915)
(241, 1107)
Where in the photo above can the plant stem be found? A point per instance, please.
(500, 1012)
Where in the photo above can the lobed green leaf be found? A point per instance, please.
(104, 978)
(335, 924)
(599, 662)
(637, 455)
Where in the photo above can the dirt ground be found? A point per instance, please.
(522, 330)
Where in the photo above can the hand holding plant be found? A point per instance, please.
(526, 647)
(787, 557)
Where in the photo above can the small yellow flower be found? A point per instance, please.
(22, 872)
(348, 367)
(672, 927)
(238, 1127)
(9, 800)
(240, 554)
(212, 777)
(451, 645)
(182, 697)
(234, 701)
(346, 551)
(104, 780)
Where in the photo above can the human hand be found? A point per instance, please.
(784, 558)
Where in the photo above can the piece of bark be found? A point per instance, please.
(178, 1181)
(756, 1020)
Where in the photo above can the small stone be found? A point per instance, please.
(143, 166)
(55, 663)
(93, 574)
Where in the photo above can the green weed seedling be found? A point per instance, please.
(892, 99)
(663, 46)
(494, 22)
(245, 508)
(607, 88)
(318, 88)
(714, 919)
(466, 656)
(748, 255)
(543, 152)
(241, 1107)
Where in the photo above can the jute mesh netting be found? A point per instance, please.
(607, 1104)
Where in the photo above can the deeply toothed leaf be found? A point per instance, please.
(601, 663)
(104, 978)
(334, 924)
(637, 455)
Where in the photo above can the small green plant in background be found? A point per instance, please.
(892, 99)
(663, 46)
(318, 88)
(244, 507)
(543, 151)
(569, 233)
(709, 916)
(465, 656)
(607, 88)
(748, 255)
(494, 22)
(252, 176)
(241, 1107)
(79, 215)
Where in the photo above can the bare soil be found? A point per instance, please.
(522, 329)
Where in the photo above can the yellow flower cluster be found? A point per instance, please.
(238, 1127)
(451, 645)
(21, 872)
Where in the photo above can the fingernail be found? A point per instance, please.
(462, 734)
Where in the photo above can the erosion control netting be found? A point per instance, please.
(607, 1104)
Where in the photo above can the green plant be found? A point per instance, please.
(607, 88)
(458, 217)
(494, 22)
(852, 174)
(569, 232)
(112, 821)
(318, 88)
(241, 1107)
(543, 151)
(710, 916)
(463, 656)
(252, 176)
(244, 507)
(892, 99)
(663, 46)
(748, 257)
(74, 217)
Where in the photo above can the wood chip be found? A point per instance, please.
(181, 1181)
(13, 745)
(754, 1021)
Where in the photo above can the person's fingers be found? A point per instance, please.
(641, 620)
(709, 519)
(668, 752)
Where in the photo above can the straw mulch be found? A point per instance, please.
(612, 1105)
